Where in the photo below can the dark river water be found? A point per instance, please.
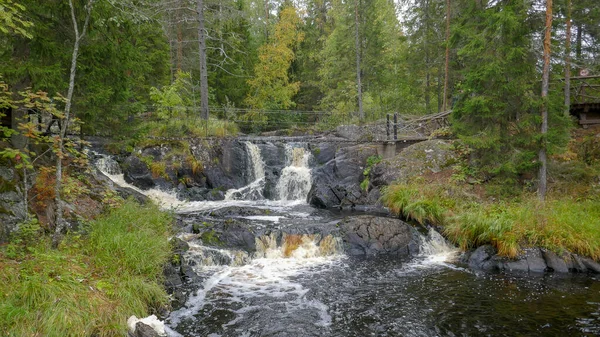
(429, 295)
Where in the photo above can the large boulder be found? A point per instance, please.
(483, 258)
(337, 182)
(137, 173)
(372, 235)
(427, 156)
(225, 164)
(274, 157)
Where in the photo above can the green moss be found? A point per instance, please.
(211, 237)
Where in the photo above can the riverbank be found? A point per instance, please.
(93, 282)
(473, 213)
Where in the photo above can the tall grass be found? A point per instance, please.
(560, 224)
(90, 285)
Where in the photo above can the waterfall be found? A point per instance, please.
(110, 168)
(295, 181)
(275, 245)
(434, 250)
(256, 170)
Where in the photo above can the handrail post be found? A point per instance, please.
(395, 126)
(387, 127)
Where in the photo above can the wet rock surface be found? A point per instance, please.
(336, 183)
(532, 260)
(372, 235)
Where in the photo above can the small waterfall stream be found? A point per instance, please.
(256, 170)
(296, 179)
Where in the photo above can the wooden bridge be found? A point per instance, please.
(585, 99)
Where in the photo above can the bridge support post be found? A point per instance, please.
(395, 126)
(387, 127)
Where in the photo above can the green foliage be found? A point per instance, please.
(371, 161)
(271, 87)
(406, 201)
(174, 100)
(90, 285)
(12, 20)
(497, 104)
(382, 52)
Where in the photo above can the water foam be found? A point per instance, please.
(296, 179)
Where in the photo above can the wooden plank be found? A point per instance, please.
(589, 121)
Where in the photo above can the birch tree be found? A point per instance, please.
(79, 35)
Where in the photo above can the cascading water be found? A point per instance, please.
(295, 181)
(256, 170)
(110, 168)
(240, 284)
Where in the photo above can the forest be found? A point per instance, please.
(524, 170)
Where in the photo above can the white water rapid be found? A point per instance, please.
(234, 279)
(295, 181)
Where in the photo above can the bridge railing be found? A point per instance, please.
(420, 126)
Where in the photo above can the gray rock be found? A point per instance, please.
(576, 265)
(137, 173)
(554, 262)
(372, 235)
(337, 182)
(535, 260)
(143, 330)
(591, 265)
(483, 258)
(519, 265)
(7, 173)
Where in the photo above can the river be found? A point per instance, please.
(305, 285)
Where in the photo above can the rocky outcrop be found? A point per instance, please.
(12, 206)
(338, 174)
(202, 170)
(372, 235)
(274, 158)
(532, 260)
(177, 272)
(428, 156)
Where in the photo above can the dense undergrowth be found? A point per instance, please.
(92, 282)
(508, 215)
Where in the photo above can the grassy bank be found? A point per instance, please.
(480, 213)
(92, 283)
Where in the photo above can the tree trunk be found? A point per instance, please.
(578, 41)
(568, 62)
(203, 70)
(446, 67)
(60, 225)
(267, 21)
(361, 113)
(545, 83)
(179, 42)
(427, 67)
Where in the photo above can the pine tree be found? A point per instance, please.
(494, 111)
